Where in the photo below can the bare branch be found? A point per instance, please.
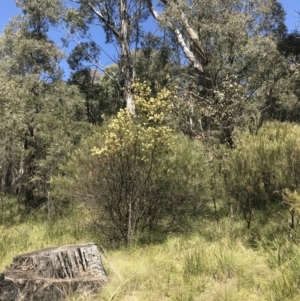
(105, 52)
(152, 10)
(107, 22)
(93, 62)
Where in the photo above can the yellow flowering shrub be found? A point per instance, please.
(130, 157)
(141, 134)
(141, 178)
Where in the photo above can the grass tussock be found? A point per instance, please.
(21, 234)
(194, 268)
(208, 265)
(187, 269)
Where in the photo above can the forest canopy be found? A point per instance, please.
(197, 117)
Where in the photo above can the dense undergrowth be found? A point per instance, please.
(208, 263)
(195, 227)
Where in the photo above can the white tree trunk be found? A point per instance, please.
(126, 64)
(191, 36)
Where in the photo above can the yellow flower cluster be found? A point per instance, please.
(143, 135)
(154, 110)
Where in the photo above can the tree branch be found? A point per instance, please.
(191, 35)
(93, 62)
(189, 54)
(104, 20)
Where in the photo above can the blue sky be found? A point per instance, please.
(292, 19)
(8, 10)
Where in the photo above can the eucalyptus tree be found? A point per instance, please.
(214, 35)
(101, 94)
(226, 43)
(283, 92)
(121, 22)
(156, 61)
(279, 94)
(38, 110)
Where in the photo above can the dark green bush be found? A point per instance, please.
(261, 168)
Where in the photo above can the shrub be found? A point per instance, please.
(264, 167)
(140, 175)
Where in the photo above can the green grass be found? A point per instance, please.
(207, 265)
(186, 269)
(21, 234)
(197, 268)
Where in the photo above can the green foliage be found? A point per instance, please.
(190, 268)
(263, 168)
(212, 116)
(182, 267)
(235, 43)
(280, 93)
(32, 130)
(25, 50)
(142, 177)
(101, 94)
(195, 263)
(38, 112)
(289, 44)
(283, 256)
(159, 56)
(134, 179)
(36, 230)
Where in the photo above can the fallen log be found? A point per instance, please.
(52, 274)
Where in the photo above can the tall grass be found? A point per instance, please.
(20, 234)
(208, 265)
